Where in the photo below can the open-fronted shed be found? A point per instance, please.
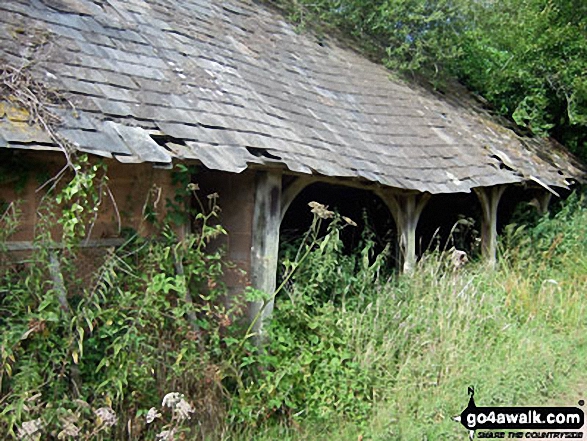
(232, 86)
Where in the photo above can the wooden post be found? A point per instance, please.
(265, 245)
(541, 201)
(489, 198)
(406, 210)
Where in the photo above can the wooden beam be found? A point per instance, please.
(406, 209)
(291, 191)
(265, 246)
(489, 198)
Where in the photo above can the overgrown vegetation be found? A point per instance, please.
(146, 349)
(87, 357)
(526, 58)
(355, 353)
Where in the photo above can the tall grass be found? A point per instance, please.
(353, 350)
(411, 345)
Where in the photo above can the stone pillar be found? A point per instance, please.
(489, 198)
(265, 245)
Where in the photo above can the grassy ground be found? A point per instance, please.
(517, 333)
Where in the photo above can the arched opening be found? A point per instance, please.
(521, 204)
(454, 220)
(367, 210)
(510, 203)
(450, 220)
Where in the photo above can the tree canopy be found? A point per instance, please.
(527, 58)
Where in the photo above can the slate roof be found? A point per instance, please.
(232, 84)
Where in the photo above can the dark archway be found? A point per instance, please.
(454, 220)
(362, 206)
(450, 220)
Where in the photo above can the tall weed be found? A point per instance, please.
(354, 353)
(91, 360)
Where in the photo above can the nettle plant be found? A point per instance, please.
(92, 359)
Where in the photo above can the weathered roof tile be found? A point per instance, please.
(232, 77)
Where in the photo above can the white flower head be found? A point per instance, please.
(29, 429)
(70, 430)
(320, 210)
(106, 416)
(183, 410)
(166, 435)
(152, 415)
(178, 405)
(171, 399)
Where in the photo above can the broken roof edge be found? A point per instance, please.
(139, 145)
(352, 181)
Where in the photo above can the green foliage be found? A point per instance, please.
(351, 353)
(526, 58)
(552, 256)
(530, 66)
(309, 372)
(91, 356)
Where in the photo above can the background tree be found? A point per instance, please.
(527, 58)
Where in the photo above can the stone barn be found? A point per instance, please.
(267, 113)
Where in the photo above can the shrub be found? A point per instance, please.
(88, 360)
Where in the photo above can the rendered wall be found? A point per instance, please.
(131, 187)
(236, 200)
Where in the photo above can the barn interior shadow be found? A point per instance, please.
(454, 220)
(367, 210)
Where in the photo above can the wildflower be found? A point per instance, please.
(320, 210)
(349, 221)
(29, 429)
(183, 410)
(178, 404)
(152, 415)
(70, 430)
(106, 416)
(171, 399)
(193, 187)
(166, 435)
